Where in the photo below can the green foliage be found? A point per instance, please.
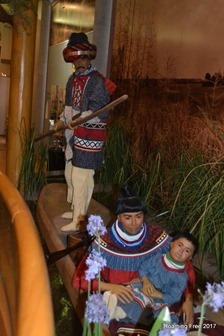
(120, 169)
(63, 310)
(188, 188)
(168, 140)
(34, 165)
(19, 6)
(198, 206)
(117, 167)
(19, 9)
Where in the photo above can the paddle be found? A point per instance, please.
(80, 121)
(55, 256)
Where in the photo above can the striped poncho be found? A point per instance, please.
(124, 255)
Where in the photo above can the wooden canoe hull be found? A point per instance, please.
(51, 204)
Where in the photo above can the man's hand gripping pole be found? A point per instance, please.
(80, 121)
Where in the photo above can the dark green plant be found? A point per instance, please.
(199, 207)
(120, 169)
(19, 9)
(189, 189)
(165, 138)
(63, 310)
(34, 166)
(117, 164)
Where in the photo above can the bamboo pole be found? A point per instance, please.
(21, 84)
(80, 120)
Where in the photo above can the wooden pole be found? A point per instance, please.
(103, 34)
(41, 66)
(80, 120)
(21, 84)
(55, 256)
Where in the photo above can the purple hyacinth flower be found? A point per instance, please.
(214, 296)
(178, 332)
(95, 263)
(96, 309)
(172, 332)
(95, 226)
(164, 332)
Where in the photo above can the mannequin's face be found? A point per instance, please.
(181, 250)
(131, 221)
(81, 64)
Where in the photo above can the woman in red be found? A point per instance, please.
(124, 246)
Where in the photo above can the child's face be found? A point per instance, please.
(181, 250)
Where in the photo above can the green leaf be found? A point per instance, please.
(164, 317)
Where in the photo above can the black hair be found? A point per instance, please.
(129, 202)
(188, 236)
(77, 38)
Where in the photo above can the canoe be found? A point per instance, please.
(50, 205)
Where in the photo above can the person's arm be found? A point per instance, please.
(67, 115)
(176, 288)
(98, 96)
(145, 271)
(147, 287)
(79, 280)
(187, 308)
(123, 293)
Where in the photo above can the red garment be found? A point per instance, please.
(118, 269)
(112, 276)
(84, 132)
(191, 275)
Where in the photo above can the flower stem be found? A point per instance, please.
(201, 319)
(99, 277)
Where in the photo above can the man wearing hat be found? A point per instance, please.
(86, 92)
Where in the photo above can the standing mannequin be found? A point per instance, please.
(86, 92)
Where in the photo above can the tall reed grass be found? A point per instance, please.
(34, 166)
(174, 160)
(198, 206)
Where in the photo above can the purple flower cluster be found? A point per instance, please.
(96, 309)
(173, 332)
(95, 226)
(95, 263)
(214, 296)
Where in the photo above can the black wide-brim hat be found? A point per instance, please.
(79, 46)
